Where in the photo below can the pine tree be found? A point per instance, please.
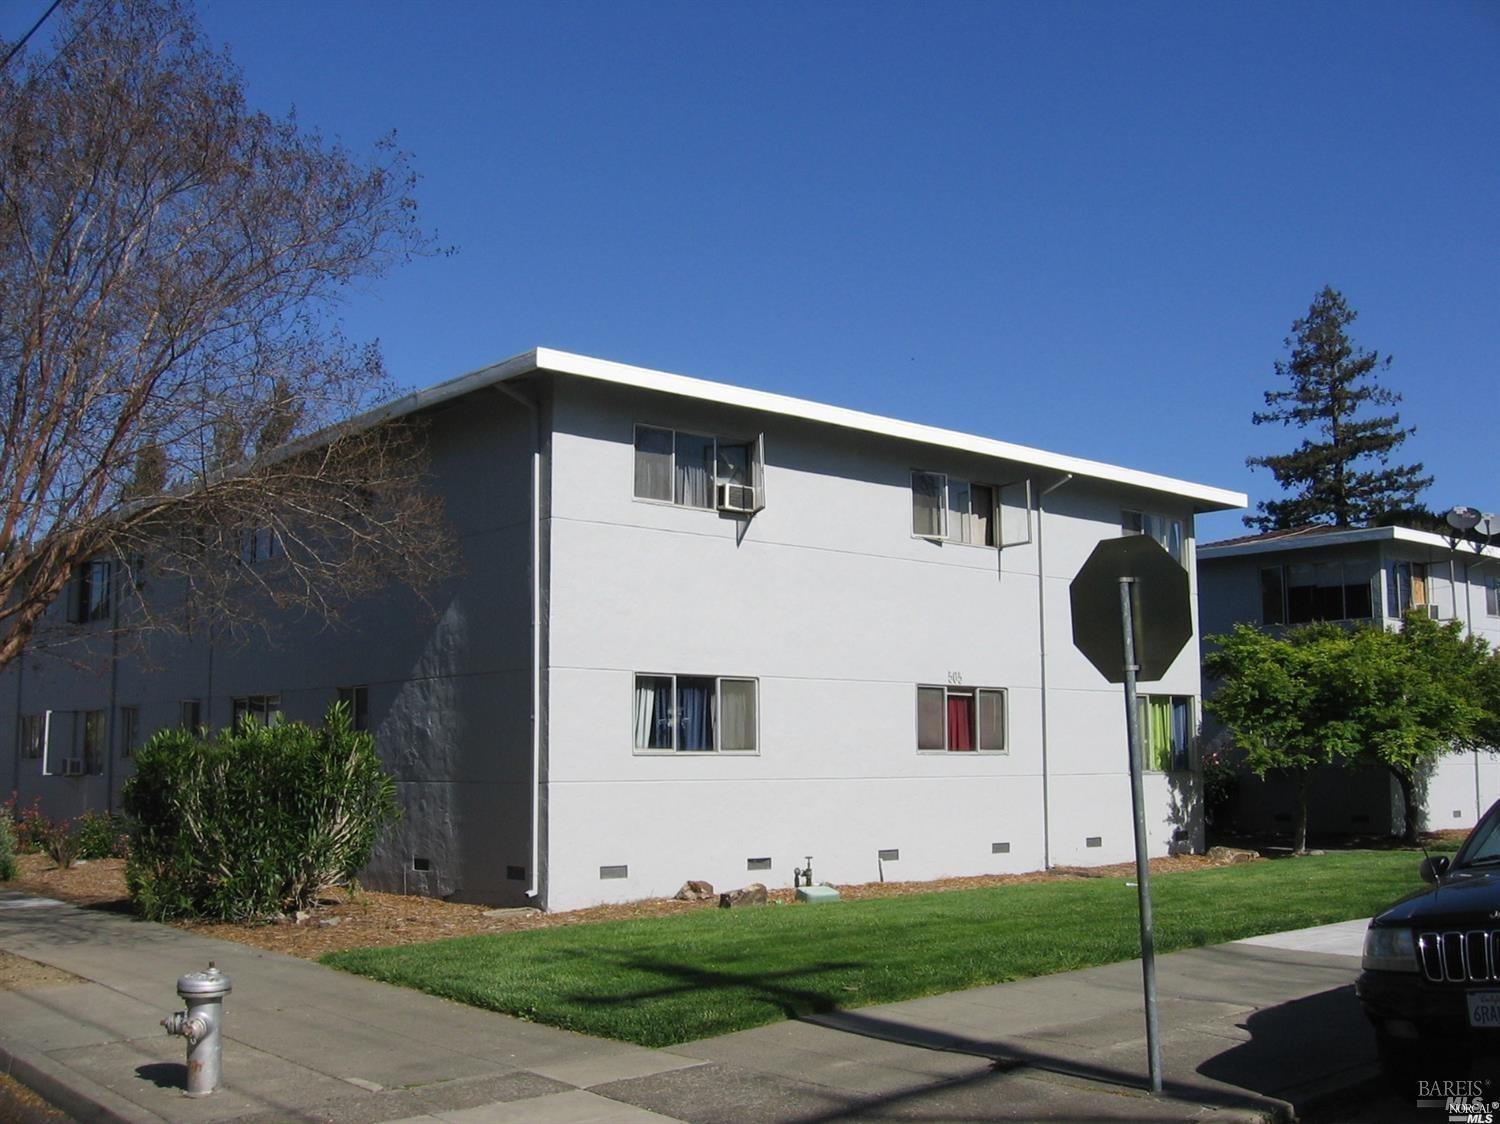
(1345, 478)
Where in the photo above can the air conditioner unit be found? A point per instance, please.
(735, 497)
(1434, 613)
(72, 766)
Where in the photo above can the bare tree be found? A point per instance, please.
(174, 390)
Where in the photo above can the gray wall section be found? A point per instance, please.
(449, 685)
(830, 603)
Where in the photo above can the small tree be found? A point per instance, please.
(1421, 699)
(172, 377)
(1285, 701)
(1344, 477)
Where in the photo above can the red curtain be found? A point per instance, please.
(960, 721)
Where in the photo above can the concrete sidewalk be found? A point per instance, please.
(1249, 1031)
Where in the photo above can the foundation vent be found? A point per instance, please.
(621, 871)
(1094, 841)
(757, 864)
(999, 848)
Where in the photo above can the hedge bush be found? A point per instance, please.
(7, 845)
(256, 821)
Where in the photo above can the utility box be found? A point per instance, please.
(815, 895)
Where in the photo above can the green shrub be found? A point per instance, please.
(257, 821)
(7, 845)
(101, 835)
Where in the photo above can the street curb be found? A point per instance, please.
(70, 1091)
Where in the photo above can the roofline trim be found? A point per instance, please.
(544, 359)
(1343, 537)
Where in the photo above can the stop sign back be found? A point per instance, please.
(1163, 619)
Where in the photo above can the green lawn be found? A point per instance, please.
(673, 979)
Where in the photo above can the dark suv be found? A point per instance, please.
(1431, 978)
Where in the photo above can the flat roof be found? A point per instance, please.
(545, 359)
(1315, 537)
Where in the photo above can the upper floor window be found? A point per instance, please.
(1166, 732)
(90, 600)
(693, 470)
(258, 544)
(944, 507)
(1410, 588)
(1492, 596)
(961, 719)
(695, 714)
(1317, 591)
(1162, 528)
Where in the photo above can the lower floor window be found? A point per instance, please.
(93, 741)
(695, 714)
(961, 719)
(130, 730)
(34, 734)
(1166, 731)
(263, 708)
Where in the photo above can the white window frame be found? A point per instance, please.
(263, 707)
(674, 751)
(1144, 710)
(947, 533)
(949, 691)
(755, 452)
(1145, 518)
(1492, 596)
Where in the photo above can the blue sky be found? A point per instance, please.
(1085, 227)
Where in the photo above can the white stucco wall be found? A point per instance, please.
(829, 602)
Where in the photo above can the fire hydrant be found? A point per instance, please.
(201, 1024)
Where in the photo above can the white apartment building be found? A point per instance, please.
(699, 631)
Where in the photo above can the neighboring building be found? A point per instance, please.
(750, 629)
(1370, 575)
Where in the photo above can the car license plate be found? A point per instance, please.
(1484, 1008)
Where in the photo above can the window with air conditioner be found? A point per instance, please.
(961, 720)
(1410, 589)
(699, 471)
(695, 714)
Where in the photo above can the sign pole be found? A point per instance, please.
(1137, 799)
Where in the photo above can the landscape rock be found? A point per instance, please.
(695, 891)
(1228, 856)
(753, 894)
